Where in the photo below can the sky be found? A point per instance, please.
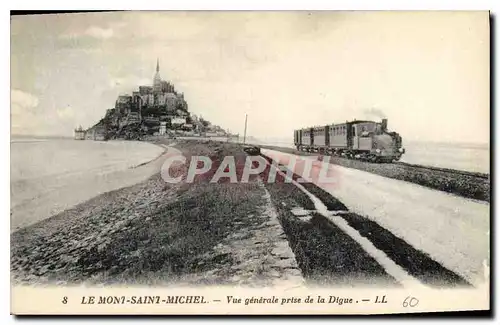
(426, 72)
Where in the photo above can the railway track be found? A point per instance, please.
(447, 170)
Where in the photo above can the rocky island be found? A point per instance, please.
(151, 110)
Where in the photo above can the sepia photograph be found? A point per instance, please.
(250, 162)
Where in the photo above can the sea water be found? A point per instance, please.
(51, 175)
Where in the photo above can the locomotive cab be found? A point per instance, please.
(372, 141)
(388, 145)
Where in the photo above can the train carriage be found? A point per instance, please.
(338, 137)
(367, 140)
(307, 137)
(320, 138)
(297, 138)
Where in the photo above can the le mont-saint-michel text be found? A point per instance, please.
(135, 300)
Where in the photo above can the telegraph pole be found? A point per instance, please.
(245, 134)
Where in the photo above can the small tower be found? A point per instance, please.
(157, 78)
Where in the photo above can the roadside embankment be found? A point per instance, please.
(382, 240)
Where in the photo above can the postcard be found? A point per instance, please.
(250, 162)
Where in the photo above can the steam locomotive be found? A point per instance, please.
(364, 140)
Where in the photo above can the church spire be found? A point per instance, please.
(157, 78)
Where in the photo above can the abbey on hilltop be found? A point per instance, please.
(151, 110)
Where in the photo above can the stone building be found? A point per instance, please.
(151, 105)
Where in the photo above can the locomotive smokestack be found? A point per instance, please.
(384, 124)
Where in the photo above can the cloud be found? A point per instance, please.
(22, 109)
(23, 99)
(95, 32)
(30, 116)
